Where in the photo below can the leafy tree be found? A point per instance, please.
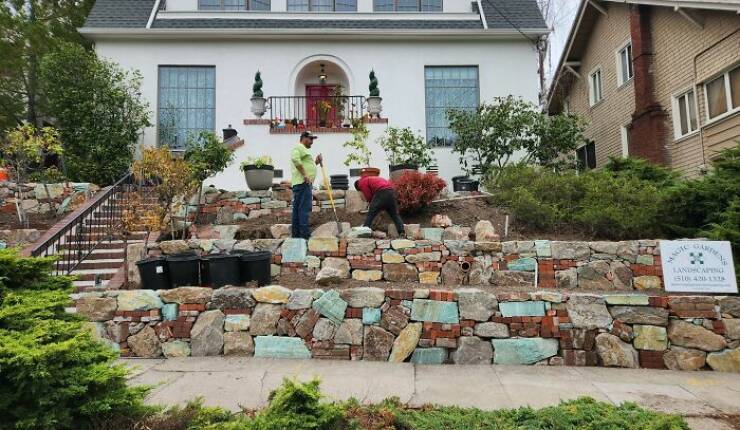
(26, 145)
(403, 146)
(206, 155)
(360, 153)
(29, 29)
(98, 109)
(490, 136)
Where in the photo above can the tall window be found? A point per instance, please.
(448, 87)
(234, 4)
(685, 120)
(322, 5)
(625, 67)
(586, 156)
(624, 136)
(594, 87)
(187, 103)
(407, 5)
(723, 94)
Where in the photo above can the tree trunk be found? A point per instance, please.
(32, 78)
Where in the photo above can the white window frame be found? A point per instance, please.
(621, 81)
(624, 135)
(676, 114)
(592, 101)
(728, 96)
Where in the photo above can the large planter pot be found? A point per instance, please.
(369, 171)
(259, 177)
(259, 106)
(397, 170)
(374, 106)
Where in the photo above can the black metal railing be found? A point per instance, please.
(75, 237)
(316, 111)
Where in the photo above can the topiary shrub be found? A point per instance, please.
(415, 190)
(54, 374)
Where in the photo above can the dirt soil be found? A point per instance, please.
(462, 212)
(37, 221)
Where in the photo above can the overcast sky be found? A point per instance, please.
(560, 16)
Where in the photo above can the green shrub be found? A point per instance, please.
(642, 170)
(54, 374)
(598, 203)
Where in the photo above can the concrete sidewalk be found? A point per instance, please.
(246, 382)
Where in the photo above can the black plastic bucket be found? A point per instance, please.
(467, 185)
(220, 270)
(154, 273)
(184, 270)
(456, 182)
(255, 266)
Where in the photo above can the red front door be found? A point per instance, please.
(315, 95)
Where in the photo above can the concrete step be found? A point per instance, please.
(106, 254)
(95, 236)
(81, 286)
(108, 245)
(110, 263)
(91, 274)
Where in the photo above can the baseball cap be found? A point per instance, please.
(308, 134)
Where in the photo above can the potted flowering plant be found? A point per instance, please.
(405, 150)
(323, 107)
(258, 172)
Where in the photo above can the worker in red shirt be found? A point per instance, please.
(382, 197)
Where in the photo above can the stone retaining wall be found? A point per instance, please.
(630, 265)
(45, 198)
(465, 326)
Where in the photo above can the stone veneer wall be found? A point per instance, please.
(465, 326)
(545, 264)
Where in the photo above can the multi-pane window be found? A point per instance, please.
(407, 5)
(448, 87)
(586, 156)
(723, 94)
(685, 119)
(234, 4)
(624, 64)
(594, 87)
(187, 103)
(322, 5)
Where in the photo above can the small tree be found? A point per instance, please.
(360, 153)
(257, 86)
(206, 155)
(98, 110)
(172, 181)
(373, 87)
(488, 137)
(23, 146)
(403, 146)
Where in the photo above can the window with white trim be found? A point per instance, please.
(586, 156)
(322, 5)
(685, 118)
(624, 135)
(186, 104)
(595, 87)
(407, 5)
(262, 5)
(625, 68)
(448, 87)
(723, 94)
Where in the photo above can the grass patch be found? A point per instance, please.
(299, 406)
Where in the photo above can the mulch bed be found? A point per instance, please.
(9, 221)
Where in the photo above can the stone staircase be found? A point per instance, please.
(88, 242)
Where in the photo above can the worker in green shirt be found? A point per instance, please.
(303, 173)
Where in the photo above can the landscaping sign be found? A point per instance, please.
(698, 266)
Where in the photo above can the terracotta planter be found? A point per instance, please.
(259, 177)
(369, 171)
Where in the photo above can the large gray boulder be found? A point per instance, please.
(472, 350)
(207, 334)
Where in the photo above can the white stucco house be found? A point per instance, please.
(198, 59)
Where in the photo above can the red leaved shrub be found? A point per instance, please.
(416, 190)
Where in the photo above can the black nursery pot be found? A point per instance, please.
(154, 273)
(467, 185)
(407, 166)
(255, 266)
(184, 270)
(220, 270)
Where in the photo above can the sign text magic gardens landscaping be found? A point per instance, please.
(698, 266)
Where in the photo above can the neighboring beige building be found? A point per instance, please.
(656, 79)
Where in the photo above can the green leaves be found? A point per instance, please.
(99, 112)
(207, 155)
(403, 146)
(359, 152)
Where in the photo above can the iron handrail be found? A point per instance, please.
(74, 238)
(317, 111)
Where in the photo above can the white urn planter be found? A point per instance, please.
(374, 106)
(259, 106)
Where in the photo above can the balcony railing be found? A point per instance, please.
(316, 111)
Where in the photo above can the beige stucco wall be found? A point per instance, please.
(679, 45)
(615, 109)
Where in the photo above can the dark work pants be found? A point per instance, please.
(302, 200)
(384, 200)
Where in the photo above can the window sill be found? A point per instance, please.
(681, 139)
(722, 117)
(592, 106)
(625, 83)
